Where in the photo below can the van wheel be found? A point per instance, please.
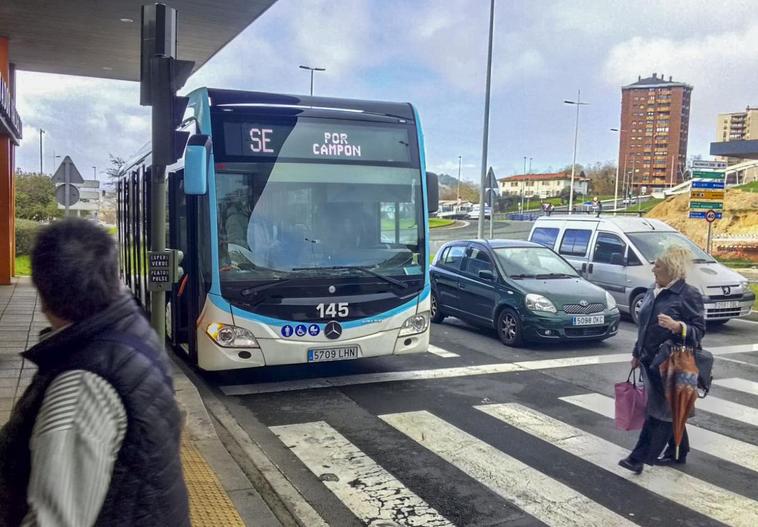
(635, 308)
(436, 313)
(509, 328)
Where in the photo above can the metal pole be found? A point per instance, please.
(459, 179)
(523, 182)
(311, 83)
(492, 212)
(41, 131)
(573, 163)
(485, 134)
(616, 191)
(708, 239)
(67, 185)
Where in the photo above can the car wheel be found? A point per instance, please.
(635, 309)
(436, 313)
(509, 328)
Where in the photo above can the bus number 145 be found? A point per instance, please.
(340, 310)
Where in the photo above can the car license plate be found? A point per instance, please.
(329, 354)
(727, 305)
(592, 320)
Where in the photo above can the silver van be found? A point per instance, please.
(617, 253)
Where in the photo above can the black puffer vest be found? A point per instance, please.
(147, 486)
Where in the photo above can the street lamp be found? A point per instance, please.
(486, 129)
(616, 189)
(94, 172)
(41, 131)
(578, 102)
(459, 179)
(309, 68)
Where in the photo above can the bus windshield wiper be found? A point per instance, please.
(262, 287)
(366, 270)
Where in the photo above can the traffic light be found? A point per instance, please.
(161, 76)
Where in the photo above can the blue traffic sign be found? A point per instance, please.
(300, 330)
(287, 331)
(314, 330)
(701, 215)
(707, 184)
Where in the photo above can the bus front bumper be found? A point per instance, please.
(281, 351)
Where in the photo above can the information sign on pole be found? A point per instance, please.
(160, 266)
(703, 215)
(707, 174)
(708, 184)
(713, 165)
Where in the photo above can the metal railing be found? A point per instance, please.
(8, 111)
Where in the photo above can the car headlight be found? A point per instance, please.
(415, 324)
(229, 336)
(536, 302)
(744, 284)
(610, 301)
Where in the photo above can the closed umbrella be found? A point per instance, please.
(679, 374)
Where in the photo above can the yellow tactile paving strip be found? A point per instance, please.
(210, 506)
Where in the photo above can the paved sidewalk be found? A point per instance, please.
(220, 493)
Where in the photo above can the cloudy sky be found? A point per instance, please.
(433, 53)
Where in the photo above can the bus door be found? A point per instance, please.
(185, 295)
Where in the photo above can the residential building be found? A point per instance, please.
(738, 126)
(543, 185)
(655, 116)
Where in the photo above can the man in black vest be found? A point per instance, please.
(95, 439)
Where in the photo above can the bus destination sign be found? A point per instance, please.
(332, 140)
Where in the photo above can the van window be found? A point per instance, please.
(606, 246)
(545, 236)
(575, 242)
(454, 256)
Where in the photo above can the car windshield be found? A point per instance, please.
(280, 220)
(651, 244)
(533, 262)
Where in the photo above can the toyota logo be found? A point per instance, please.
(583, 303)
(333, 330)
(727, 290)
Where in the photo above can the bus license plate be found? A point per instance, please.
(589, 320)
(727, 305)
(329, 354)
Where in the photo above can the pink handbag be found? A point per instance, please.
(631, 400)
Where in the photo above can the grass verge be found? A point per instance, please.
(754, 287)
(435, 223)
(23, 265)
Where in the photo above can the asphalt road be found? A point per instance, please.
(479, 434)
(467, 229)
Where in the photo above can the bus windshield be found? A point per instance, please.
(279, 220)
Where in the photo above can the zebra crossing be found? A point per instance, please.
(545, 494)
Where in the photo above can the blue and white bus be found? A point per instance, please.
(304, 227)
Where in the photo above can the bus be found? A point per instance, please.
(303, 223)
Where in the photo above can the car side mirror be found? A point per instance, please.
(196, 158)
(484, 274)
(432, 192)
(618, 259)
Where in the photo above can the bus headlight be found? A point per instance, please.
(229, 336)
(610, 301)
(415, 324)
(536, 302)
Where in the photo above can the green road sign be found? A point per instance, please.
(715, 205)
(707, 174)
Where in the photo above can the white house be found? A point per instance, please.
(542, 185)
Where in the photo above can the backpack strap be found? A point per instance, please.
(141, 347)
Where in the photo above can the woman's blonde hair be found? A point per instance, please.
(676, 260)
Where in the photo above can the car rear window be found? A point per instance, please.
(575, 242)
(545, 236)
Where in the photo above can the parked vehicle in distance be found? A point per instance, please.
(523, 290)
(474, 213)
(617, 254)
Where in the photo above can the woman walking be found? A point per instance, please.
(671, 310)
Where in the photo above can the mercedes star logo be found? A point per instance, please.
(727, 290)
(583, 303)
(333, 330)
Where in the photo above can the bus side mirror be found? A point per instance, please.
(196, 157)
(432, 192)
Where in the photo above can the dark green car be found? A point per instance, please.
(523, 290)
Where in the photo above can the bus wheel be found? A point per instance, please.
(436, 313)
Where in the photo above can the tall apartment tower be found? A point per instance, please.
(739, 126)
(655, 117)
